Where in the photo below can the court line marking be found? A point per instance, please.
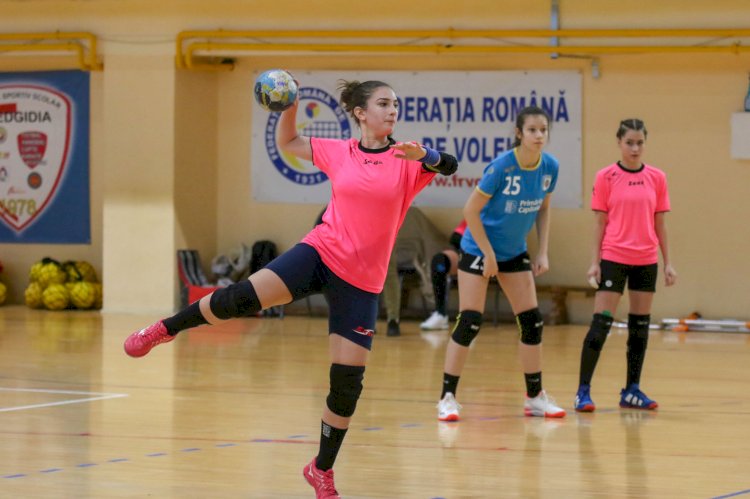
(96, 396)
(733, 494)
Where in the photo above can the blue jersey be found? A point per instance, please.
(516, 194)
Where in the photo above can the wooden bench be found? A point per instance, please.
(558, 293)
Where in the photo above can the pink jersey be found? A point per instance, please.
(630, 199)
(370, 194)
(460, 228)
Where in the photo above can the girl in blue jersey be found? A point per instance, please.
(513, 195)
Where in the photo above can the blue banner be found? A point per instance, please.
(44, 157)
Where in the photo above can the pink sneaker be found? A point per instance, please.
(140, 343)
(321, 481)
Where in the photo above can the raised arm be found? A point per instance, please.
(288, 139)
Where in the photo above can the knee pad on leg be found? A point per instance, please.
(467, 327)
(441, 264)
(236, 300)
(346, 385)
(638, 331)
(597, 335)
(530, 323)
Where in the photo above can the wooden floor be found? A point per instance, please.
(234, 411)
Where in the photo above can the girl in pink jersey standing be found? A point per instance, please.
(373, 182)
(630, 201)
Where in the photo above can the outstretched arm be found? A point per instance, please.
(432, 160)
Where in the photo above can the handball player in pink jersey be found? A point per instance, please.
(345, 258)
(630, 202)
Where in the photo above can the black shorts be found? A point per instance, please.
(352, 311)
(455, 241)
(639, 277)
(474, 264)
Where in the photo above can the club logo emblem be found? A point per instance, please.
(37, 119)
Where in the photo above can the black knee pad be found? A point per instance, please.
(638, 331)
(236, 300)
(530, 323)
(467, 327)
(441, 264)
(346, 385)
(597, 335)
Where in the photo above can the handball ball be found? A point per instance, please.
(33, 295)
(35, 271)
(86, 270)
(51, 273)
(56, 297)
(3, 293)
(275, 90)
(82, 295)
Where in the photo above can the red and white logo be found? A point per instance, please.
(31, 147)
(37, 119)
(364, 331)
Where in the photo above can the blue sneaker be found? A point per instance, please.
(633, 398)
(583, 401)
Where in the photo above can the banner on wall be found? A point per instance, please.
(44, 157)
(468, 114)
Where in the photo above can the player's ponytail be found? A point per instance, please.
(355, 94)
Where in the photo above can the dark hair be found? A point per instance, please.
(355, 94)
(521, 120)
(631, 124)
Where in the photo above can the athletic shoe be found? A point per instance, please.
(583, 401)
(633, 398)
(393, 328)
(436, 321)
(321, 481)
(140, 343)
(448, 408)
(542, 406)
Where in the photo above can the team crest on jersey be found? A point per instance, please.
(318, 115)
(37, 128)
(546, 182)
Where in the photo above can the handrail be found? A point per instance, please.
(81, 44)
(190, 42)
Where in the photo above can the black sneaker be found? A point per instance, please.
(393, 328)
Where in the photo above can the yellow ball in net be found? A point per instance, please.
(56, 297)
(82, 295)
(34, 271)
(51, 273)
(33, 295)
(87, 271)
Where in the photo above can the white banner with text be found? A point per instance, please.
(468, 114)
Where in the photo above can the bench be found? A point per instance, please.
(558, 293)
